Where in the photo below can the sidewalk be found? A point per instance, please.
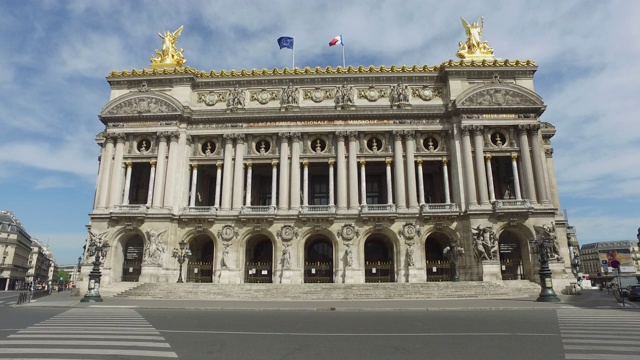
(589, 299)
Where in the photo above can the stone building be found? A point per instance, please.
(344, 175)
(596, 258)
(15, 248)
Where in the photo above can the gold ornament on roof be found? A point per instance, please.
(474, 47)
(169, 56)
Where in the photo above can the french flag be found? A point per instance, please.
(336, 41)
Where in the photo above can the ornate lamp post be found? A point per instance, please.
(99, 248)
(453, 252)
(543, 247)
(78, 269)
(181, 255)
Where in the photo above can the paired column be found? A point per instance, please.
(127, 184)
(284, 172)
(331, 185)
(420, 183)
(467, 163)
(158, 192)
(227, 179)
(538, 167)
(305, 184)
(389, 184)
(353, 170)
(342, 171)
(363, 184)
(295, 171)
(247, 201)
(481, 176)
(527, 169)
(399, 170)
(216, 199)
(152, 179)
(116, 176)
(194, 183)
(238, 182)
(516, 178)
(492, 192)
(172, 168)
(445, 175)
(274, 183)
(106, 162)
(411, 168)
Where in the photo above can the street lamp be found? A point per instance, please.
(99, 248)
(181, 255)
(453, 252)
(78, 270)
(543, 247)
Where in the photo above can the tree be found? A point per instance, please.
(63, 276)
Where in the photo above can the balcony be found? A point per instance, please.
(377, 208)
(266, 212)
(200, 210)
(512, 205)
(318, 209)
(443, 208)
(130, 209)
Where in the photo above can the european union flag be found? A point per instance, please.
(285, 42)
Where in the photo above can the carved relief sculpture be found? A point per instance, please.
(287, 233)
(290, 97)
(236, 100)
(154, 247)
(485, 243)
(344, 97)
(228, 232)
(399, 97)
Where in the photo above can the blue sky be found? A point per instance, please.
(56, 55)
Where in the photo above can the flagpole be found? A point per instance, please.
(293, 54)
(343, 63)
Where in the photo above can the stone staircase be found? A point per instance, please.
(117, 288)
(377, 291)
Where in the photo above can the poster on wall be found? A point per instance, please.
(621, 255)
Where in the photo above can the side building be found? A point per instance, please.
(597, 259)
(345, 175)
(15, 249)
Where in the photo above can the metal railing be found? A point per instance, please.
(27, 296)
(318, 272)
(511, 269)
(438, 270)
(200, 272)
(131, 271)
(378, 271)
(258, 272)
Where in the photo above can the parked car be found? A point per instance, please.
(634, 292)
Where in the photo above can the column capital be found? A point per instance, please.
(194, 166)
(388, 162)
(120, 138)
(239, 138)
(534, 128)
(274, 163)
(295, 135)
(228, 138)
(419, 161)
(284, 134)
(522, 129)
(331, 162)
(397, 134)
(477, 129)
(341, 134)
(249, 165)
(174, 136)
(162, 136)
(305, 163)
(218, 165)
(488, 157)
(409, 134)
(514, 156)
(153, 163)
(353, 135)
(189, 139)
(465, 129)
(445, 161)
(548, 152)
(362, 162)
(129, 164)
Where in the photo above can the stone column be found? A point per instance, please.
(238, 172)
(342, 171)
(468, 176)
(445, 175)
(227, 173)
(389, 183)
(537, 165)
(295, 171)
(216, 199)
(363, 184)
(331, 186)
(420, 183)
(492, 192)
(127, 184)
(411, 169)
(274, 183)
(305, 183)
(399, 170)
(481, 176)
(247, 201)
(353, 170)
(116, 176)
(284, 172)
(106, 163)
(516, 178)
(172, 172)
(161, 174)
(527, 169)
(152, 179)
(194, 183)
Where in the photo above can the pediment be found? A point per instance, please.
(137, 104)
(499, 95)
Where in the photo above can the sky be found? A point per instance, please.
(57, 55)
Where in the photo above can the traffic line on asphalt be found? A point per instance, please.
(98, 334)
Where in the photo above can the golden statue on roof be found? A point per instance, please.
(474, 48)
(169, 56)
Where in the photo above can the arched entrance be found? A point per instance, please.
(200, 266)
(511, 266)
(132, 255)
(437, 265)
(259, 260)
(378, 259)
(318, 261)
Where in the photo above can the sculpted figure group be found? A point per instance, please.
(485, 243)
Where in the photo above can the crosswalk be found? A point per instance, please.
(600, 334)
(88, 333)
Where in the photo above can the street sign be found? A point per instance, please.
(614, 264)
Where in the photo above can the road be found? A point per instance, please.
(124, 332)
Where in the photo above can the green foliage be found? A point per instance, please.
(64, 275)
